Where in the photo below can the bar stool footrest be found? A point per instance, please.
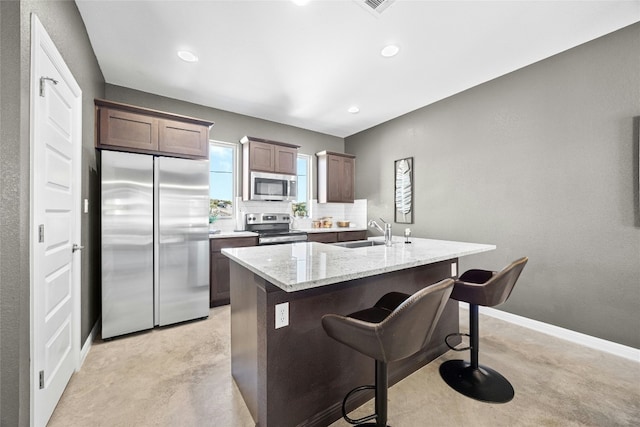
(456, 334)
(358, 421)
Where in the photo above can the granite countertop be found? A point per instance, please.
(299, 266)
(226, 234)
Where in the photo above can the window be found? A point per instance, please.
(304, 181)
(222, 158)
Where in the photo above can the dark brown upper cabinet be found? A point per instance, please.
(336, 177)
(124, 127)
(269, 156)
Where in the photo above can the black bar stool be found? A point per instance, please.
(397, 326)
(487, 288)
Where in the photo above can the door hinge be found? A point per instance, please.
(41, 380)
(41, 233)
(42, 81)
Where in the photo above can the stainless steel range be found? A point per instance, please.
(273, 228)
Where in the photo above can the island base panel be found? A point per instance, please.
(297, 375)
(244, 335)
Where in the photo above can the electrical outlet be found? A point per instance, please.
(282, 315)
(454, 269)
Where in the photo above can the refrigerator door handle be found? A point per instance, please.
(156, 240)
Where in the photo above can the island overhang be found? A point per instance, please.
(301, 266)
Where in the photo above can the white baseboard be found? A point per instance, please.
(562, 333)
(89, 341)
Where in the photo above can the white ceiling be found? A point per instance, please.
(306, 65)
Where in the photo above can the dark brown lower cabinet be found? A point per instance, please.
(219, 267)
(325, 237)
(349, 236)
(334, 237)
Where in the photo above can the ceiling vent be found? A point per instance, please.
(375, 7)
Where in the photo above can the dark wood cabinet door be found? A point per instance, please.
(183, 138)
(334, 179)
(286, 160)
(326, 237)
(349, 236)
(347, 180)
(219, 284)
(128, 130)
(219, 267)
(262, 157)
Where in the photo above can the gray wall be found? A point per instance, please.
(230, 127)
(14, 350)
(66, 28)
(541, 162)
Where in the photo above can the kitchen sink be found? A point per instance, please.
(359, 244)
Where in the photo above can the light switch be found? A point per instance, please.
(454, 269)
(86, 205)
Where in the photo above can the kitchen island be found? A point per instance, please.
(295, 374)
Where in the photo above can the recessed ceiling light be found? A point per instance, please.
(390, 50)
(353, 110)
(187, 56)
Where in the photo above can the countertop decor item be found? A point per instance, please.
(404, 190)
(299, 209)
(343, 223)
(407, 235)
(213, 213)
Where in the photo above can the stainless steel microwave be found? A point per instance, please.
(273, 186)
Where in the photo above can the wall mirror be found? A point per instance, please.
(403, 173)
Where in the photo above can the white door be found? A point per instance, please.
(56, 125)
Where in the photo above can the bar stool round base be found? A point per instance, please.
(482, 384)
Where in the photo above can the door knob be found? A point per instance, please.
(76, 247)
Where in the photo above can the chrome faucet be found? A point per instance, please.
(386, 231)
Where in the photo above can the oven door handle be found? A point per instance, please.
(281, 239)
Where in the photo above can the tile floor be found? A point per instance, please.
(181, 376)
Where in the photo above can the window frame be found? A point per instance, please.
(234, 174)
(308, 158)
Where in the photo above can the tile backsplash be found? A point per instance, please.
(355, 212)
(243, 207)
(251, 206)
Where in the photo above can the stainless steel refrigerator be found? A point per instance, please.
(155, 241)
